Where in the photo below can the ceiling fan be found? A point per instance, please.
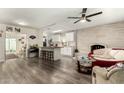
(84, 17)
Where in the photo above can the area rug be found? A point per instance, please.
(11, 56)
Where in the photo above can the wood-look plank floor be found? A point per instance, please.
(36, 71)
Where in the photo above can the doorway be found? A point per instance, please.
(15, 45)
(11, 48)
(10, 45)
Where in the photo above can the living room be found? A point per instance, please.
(61, 46)
(74, 39)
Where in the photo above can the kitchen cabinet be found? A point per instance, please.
(68, 51)
(69, 36)
(56, 38)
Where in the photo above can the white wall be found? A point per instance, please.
(111, 35)
(40, 38)
(2, 45)
(27, 32)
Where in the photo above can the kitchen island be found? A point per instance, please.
(50, 53)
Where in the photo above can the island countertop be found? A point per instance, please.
(50, 53)
(52, 47)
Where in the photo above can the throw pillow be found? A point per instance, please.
(113, 52)
(104, 53)
(119, 55)
(99, 51)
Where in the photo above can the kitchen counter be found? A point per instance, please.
(51, 47)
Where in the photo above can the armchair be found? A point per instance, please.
(101, 75)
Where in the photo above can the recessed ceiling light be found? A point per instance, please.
(57, 31)
(22, 23)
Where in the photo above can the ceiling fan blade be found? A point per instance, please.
(76, 21)
(93, 14)
(74, 17)
(84, 10)
(88, 20)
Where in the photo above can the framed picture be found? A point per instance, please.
(17, 29)
(8, 28)
(22, 38)
(19, 39)
(1, 33)
(32, 37)
(22, 42)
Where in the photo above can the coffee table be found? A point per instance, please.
(84, 66)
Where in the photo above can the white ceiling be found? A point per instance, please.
(52, 19)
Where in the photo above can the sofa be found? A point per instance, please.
(106, 57)
(111, 75)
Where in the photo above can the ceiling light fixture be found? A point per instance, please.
(83, 21)
(57, 31)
